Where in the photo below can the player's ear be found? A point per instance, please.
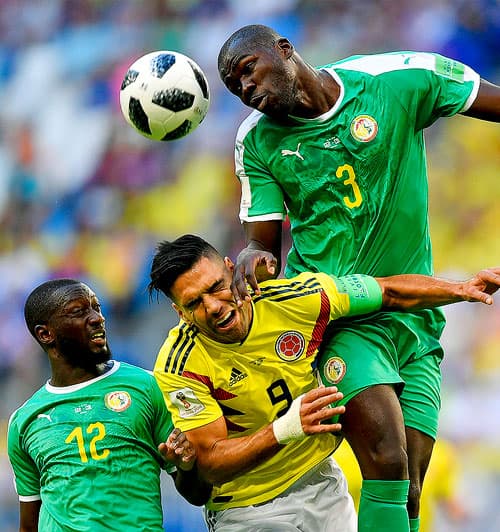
(229, 264)
(180, 313)
(43, 334)
(285, 47)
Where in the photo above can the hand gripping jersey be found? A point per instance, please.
(89, 452)
(253, 383)
(353, 181)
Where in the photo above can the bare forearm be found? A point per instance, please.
(418, 291)
(265, 236)
(230, 457)
(220, 458)
(421, 291)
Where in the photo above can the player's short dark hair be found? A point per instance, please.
(43, 301)
(172, 259)
(245, 40)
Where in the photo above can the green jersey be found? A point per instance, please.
(353, 181)
(89, 452)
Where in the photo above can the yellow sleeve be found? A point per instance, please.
(187, 392)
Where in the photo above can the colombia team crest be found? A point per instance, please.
(117, 401)
(364, 128)
(290, 345)
(334, 370)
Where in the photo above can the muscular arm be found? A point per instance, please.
(28, 516)
(487, 104)
(221, 458)
(421, 291)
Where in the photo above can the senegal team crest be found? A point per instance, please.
(117, 401)
(290, 345)
(364, 128)
(334, 370)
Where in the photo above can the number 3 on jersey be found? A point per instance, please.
(77, 434)
(350, 181)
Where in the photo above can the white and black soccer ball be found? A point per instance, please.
(164, 95)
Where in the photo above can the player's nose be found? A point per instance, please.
(96, 317)
(212, 304)
(247, 89)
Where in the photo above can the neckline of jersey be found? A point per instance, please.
(74, 387)
(328, 114)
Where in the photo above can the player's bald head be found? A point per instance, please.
(243, 42)
(45, 299)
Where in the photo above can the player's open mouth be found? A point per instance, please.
(226, 320)
(99, 338)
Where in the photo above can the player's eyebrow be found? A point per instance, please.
(212, 288)
(233, 65)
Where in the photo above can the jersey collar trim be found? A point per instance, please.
(79, 386)
(325, 116)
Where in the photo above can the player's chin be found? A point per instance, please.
(103, 355)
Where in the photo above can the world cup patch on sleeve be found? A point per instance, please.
(186, 402)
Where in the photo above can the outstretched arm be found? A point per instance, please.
(180, 451)
(221, 458)
(421, 291)
(487, 103)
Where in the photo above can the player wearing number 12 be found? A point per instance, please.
(84, 447)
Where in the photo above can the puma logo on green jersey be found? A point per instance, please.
(290, 152)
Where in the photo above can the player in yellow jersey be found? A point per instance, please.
(234, 379)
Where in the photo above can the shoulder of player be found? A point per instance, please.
(133, 372)
(181, 342)
(248, 124)
(382, 63)
(300, 285)
(29, 406)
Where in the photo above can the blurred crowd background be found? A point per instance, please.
(83, 195)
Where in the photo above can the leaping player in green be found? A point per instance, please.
(340, 150)
(85, 447)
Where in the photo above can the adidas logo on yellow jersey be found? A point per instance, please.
(236, 376)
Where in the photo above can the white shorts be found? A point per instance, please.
(317, 502)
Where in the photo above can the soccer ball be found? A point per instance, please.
(164, 95)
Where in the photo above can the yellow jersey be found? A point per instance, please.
(253, 383)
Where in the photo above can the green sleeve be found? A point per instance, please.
(163, 425)
(261, 196)
(433, 86)
(364, 292)
(26, 474)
